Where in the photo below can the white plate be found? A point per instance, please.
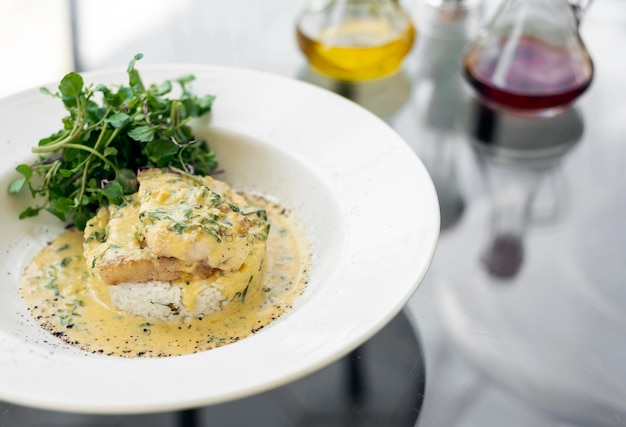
(367, 201)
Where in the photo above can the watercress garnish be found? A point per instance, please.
(109, 134)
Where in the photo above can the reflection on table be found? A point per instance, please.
(526, 279)
(518, 158)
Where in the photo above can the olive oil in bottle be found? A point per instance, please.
(356, 40)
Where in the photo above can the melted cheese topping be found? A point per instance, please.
(71, 304)
(184, 217)
(175, 227)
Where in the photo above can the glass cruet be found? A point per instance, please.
(354, 40)
(530, 58)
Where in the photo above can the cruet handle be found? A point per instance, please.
(579, 7)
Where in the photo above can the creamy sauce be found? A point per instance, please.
(68, 301)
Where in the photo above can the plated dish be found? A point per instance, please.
(365, 201)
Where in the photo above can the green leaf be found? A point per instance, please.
(68, 121)
(60, 207)
(165, 88)
(205, 104)
(142, 133)
(115, 99)
(187, 108)
(16, 185)
(196, 107)
(96, 111)
(184, 82)
(114, 192)
(157, 102)
(118, 120)
(25, 170)
(80, 218)
(29, 212)
(92, 183)
(131, 64)
(71, 85)
(110, 151)
(134, 80)
(160, 151)
(186, 79)
(128, 180)
(54, 137)
(62, 204)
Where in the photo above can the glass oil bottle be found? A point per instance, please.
(355, 40)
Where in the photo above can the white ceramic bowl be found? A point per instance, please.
(369, 207)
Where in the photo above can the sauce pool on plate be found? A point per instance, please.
(69, 302)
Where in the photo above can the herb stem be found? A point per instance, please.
(52, 171)
(103, 131)
(92, 151)
(112, 137)
(73, 135)
(81, 194)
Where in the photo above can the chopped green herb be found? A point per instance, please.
(53, 287)
(174, 308)
(245, 291)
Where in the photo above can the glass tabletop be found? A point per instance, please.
(520, 320)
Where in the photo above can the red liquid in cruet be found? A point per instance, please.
(539, 77)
